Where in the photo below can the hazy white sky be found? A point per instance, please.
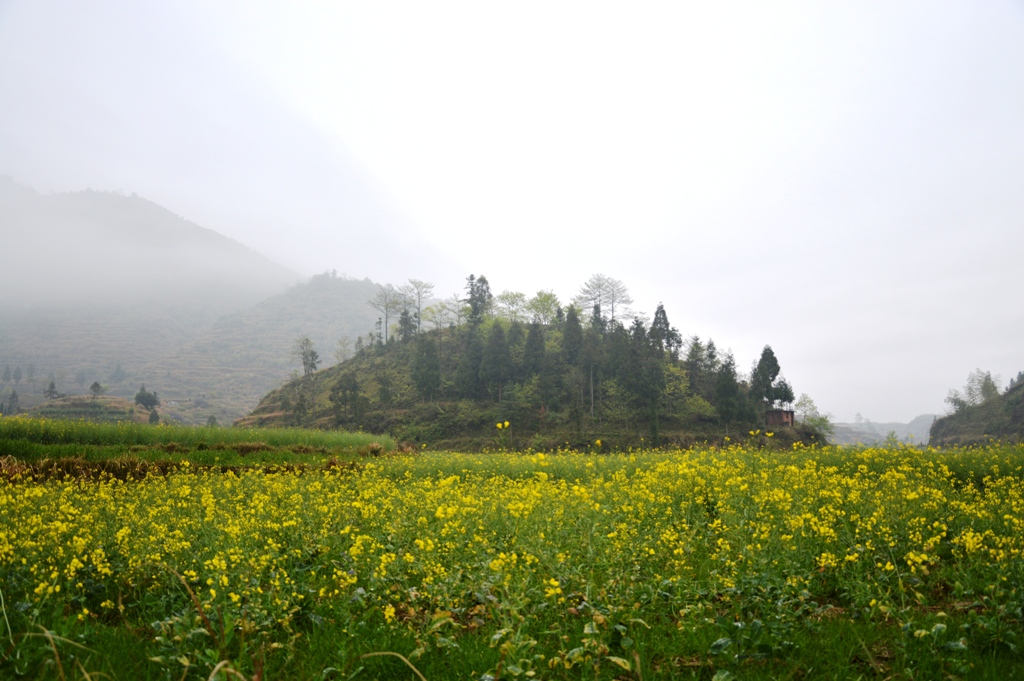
(843, 181)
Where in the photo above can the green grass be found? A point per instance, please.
(46, 448)
(52, 432)
(837, 648)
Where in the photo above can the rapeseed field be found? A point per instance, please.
(736, 562)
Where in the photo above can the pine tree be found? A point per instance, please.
(763, 386)
(572, 338)
(694, 363)
(533, 353)
(345, 396)
(663, 335)
(597, 320)
(496, 363)
(406, 326)
(384, 391)
(782, 392)
(426, 367)
(710, 365)
(146, 399)
(727, 397)
(467, 374)
(478, 298)
(50, 392)
(711, 361)
(516, 341)
(660, 327)
(306, 354)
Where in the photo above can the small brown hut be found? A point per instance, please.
(779, 417)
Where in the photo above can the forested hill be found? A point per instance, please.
(566, 377)
(999, 417)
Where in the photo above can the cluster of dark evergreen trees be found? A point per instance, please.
(583, 371)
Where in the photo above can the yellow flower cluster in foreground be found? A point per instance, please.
(424, 534)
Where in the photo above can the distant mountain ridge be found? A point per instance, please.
(867, 432)
(100, 286)
(84, 246)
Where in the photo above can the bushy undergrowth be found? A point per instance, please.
(742, 562)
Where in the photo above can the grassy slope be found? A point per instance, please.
(1001, 419)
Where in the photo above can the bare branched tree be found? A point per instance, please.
(417, 292)
(610, 294)
(981, 387)
(389, 302)
(617, 298)
(343, 349)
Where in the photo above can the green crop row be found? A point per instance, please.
(54, 432)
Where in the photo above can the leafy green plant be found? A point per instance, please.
(750, 640)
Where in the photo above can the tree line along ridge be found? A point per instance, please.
(581, 370)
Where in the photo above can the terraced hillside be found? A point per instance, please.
(101, 409)
(228, 368)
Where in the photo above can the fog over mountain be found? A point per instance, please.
(840, 181)
(866, 432)
(101, 249)
(114, 288)
(134, 98)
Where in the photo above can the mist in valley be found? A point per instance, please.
(839, 183)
